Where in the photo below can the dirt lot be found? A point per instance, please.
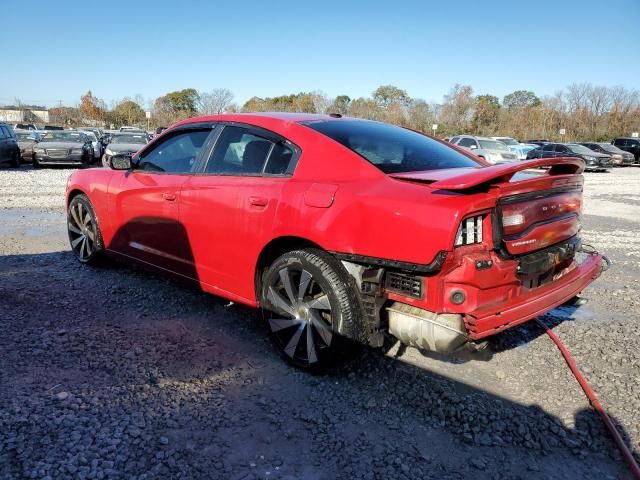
(119, 373)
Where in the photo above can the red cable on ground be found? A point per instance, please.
(626, 452)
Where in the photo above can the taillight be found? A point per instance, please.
(470, 231)
(517, 217)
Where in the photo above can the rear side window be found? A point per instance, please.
(242, 151)
(175, 154)
(392, 149)
(620, 142)
(548, 148)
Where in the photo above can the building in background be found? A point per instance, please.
(24, 114)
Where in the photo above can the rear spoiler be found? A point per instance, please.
(504, 172)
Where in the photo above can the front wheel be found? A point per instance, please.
(15, 160)
(84, 232)
(305, 296)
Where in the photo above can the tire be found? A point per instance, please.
(84, 233)
(15, 160)
(304, 327)
(36, 163)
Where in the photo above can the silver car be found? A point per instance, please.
(123, 144)
(487, 148)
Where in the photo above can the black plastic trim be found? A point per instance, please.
(432, 267)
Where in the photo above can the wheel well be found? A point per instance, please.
(273, 250)
(74, 193)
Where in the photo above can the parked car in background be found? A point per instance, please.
(27, 139)
(267, 210)
(132, 129)
(63, 147)
(53, 127)
(24, 126)
(484, 147)
(9, 150)
(631, 145)
(594, 161)
(618, 157)
(508, 141)
(95, 143)
(124, 143)
(520, 149)
(535, 141)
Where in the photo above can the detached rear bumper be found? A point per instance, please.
(488, 321)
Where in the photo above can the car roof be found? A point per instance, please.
(257, 116)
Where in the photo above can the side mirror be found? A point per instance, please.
(120, 162)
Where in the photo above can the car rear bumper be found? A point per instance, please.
(486, 321)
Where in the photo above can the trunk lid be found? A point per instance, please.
(534, 209)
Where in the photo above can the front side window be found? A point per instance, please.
(548, 148)
(241, 151)
(176, 154)
(4, 133)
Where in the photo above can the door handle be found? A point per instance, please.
(169, 197)
(258, 201)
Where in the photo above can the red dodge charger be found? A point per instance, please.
(341, 230)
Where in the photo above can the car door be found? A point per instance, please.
(4, 144)
(232, 205)
(145, 201)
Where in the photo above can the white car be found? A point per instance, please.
(97, 145)
(487, 148)
(520, 149)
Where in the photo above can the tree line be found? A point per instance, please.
(585, 111)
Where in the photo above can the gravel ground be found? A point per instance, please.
(119, 373)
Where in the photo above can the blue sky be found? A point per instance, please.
(267, 48)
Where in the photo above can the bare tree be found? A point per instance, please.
(214, 102)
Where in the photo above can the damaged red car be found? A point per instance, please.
(341, 230)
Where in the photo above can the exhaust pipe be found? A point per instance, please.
(426, 330)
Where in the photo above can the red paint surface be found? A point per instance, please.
(212, 229)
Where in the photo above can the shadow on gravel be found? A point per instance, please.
(117, 370)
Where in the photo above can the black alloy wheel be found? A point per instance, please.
(84, 233)
(305, 295)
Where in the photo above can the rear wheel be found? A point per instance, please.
(305, 296)
(36, 163)
(84, 232)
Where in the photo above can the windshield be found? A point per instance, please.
(392, 149)
(21, 137)
(492, 145)
(141, 139)
(610, 148)
(62, 136)
(91, 136)
(580, 149)
(507, 141)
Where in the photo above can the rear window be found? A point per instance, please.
(392, 149)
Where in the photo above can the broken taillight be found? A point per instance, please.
(470, 231)
(519, 216)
